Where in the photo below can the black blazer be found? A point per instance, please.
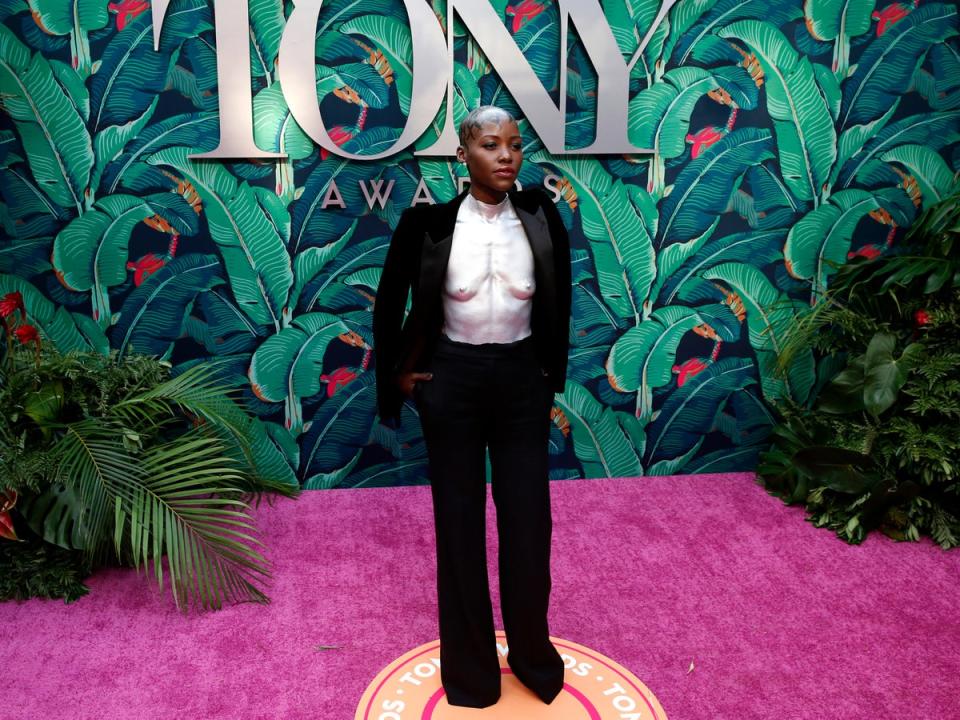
(417, 261)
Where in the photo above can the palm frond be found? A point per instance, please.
(210, 550)
(91, 457)
(179, 500)
(199, 392)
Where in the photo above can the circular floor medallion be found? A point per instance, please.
(595, 688)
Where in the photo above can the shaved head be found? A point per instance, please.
(478, 117)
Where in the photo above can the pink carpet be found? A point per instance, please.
(779, 619)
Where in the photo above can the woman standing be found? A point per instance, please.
(482, 352)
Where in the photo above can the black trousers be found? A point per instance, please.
(490, 396)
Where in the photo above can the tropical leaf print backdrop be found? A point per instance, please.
(788, 136)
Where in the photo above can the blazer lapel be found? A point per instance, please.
(538, 234)
(435, 251)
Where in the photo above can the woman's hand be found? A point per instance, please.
(406, 381)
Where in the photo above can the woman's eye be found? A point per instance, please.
(489, 146)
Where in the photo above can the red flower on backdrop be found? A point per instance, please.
(703, 139)
(337, 379)
(890, 16)
(11, 303)
(145, 267)
(921, 318)
(339, 134)
(688, 369)
(127, 10)
(867, 251)
(526, 10)
(27, 334)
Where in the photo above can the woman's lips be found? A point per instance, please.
(504, 173)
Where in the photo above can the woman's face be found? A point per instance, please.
(493, 156)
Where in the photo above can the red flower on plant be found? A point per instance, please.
(921, 318)
(27, 334)
(337, 379)
(11, 303)
(521, 13)
(703, 139)
(145, 267)
(890, 16)
(688, 369)
(339, 134)
(867, 251)
(127, 10)
(8, 498)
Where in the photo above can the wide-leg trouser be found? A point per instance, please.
(495, 396)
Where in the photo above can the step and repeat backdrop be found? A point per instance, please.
(215, 181)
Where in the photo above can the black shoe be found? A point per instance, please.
(548, 696)
(546, 691)
(461, 700)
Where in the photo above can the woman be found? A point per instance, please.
(482, 352)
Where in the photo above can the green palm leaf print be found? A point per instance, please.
(251, 227)
(601, 445)
(50, 126)
(90, 254)
(818, 244)
(287, 367)
(806, 138)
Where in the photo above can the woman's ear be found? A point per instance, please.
(461, 155)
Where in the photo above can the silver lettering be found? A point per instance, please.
(422, 195)
(332, 196)
(613, 73)
(377, 194)
(233, 78)
(550, 183)
(431, 50)
(297, 77)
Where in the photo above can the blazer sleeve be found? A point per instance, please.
(388, 314)
(562, 279)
